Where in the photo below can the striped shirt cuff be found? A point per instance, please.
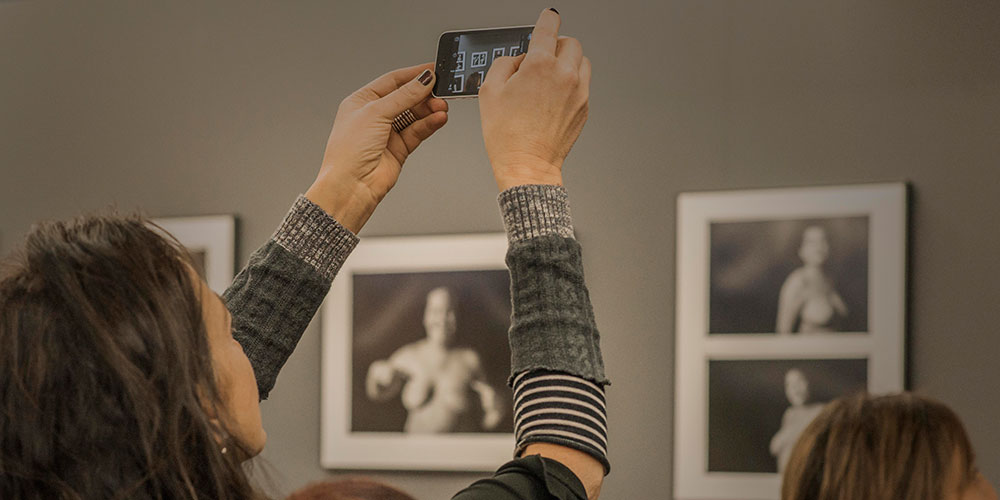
(312, 235)
(559, 408)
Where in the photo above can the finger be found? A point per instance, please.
(543, 37)
(401, 145)
(502, 69)
(389, 82)
(569, 50)
(585, 74)
(437, 104)
(430, 106)
(405, 97)
(422, 129)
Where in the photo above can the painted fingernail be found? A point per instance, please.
(553, 9)
(426, 77)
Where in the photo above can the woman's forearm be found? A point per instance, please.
(557, 367)
(276, 295)
(553, 323)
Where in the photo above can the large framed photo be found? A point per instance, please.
(415, 356)
(786, 300)
(211, 242)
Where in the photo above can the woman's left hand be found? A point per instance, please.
(364, 155)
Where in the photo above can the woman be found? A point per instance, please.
(903, 447)
(123, 376)
(797, 416)
(808, 302)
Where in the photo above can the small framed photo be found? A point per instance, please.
(458, 83)
(211, 241)
(479, 59)
(786, 299)
(753, 422)
(415, 356)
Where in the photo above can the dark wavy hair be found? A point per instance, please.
(106, 379)
(865, 447)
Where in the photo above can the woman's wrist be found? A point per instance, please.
(311, 234)
(350, 207)
(524, 172)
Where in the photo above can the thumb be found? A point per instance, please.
(405, 97)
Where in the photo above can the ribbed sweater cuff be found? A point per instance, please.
(535, 210)
(312, 235)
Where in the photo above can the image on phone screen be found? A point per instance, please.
(464, 57)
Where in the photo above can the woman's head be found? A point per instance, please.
(439, 315)
(902, 446)
(815, 248)
(796, 387)
(115, 380)
(349, 489)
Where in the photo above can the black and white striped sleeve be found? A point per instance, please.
(559, 408)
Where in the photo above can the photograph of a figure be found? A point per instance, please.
(430, 352)
(800, 412)
(789, 276)
(758, 408)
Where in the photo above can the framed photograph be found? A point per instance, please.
(211, 240)
(415, 356)
(753, 421)
(786, 299)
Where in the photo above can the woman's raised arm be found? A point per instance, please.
(275, 296)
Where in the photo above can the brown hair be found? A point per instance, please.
(106, 379)
(349, 489)
(866, 448)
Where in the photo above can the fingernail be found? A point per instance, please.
(553, 9)
(426, 77)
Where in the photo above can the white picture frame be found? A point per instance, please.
(211, 240)
(343, 446)
(479, 59)
(704, 216)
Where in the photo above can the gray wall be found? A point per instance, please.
(185, 108)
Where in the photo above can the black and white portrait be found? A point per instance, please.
(415, 356)
(757, 409)
(430, 352)
(803, 276)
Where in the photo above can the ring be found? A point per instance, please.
(403, 120)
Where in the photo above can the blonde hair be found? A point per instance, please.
(866, 448)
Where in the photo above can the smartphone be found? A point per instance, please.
(464, 57)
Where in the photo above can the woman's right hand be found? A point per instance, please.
(534, 106)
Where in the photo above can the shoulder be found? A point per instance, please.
(795, 280)
(468, 357)
(407, 352)
(525, 478)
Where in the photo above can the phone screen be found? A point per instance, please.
(464, 57)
